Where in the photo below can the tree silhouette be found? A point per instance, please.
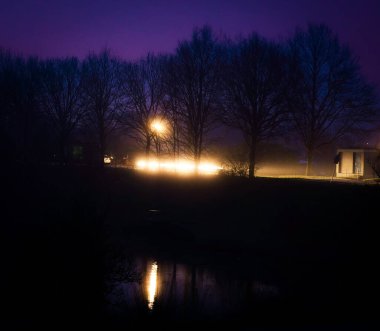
(328, 97)
(21, 123)
(61, 99)
(171, 106)
(143, 88)
(102, 96)
(196, 73)
(253, 88)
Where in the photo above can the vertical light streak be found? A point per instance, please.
(152, 285)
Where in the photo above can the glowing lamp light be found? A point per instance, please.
(153, 165)
(184, 167)
(141, 164)
(158, 126)
(107, 160)
(208, 168)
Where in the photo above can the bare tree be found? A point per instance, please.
(196, 74)
(19, 109)
(328, 95)
(8, 95)
(171, 106)
(143, 87)
(253, 88)
(102, 96)
(60, 99)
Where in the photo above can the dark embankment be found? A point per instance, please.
(62, 229)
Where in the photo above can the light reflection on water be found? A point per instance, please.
(177, 289)
(152, 285)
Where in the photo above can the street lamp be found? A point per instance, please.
(158, 127)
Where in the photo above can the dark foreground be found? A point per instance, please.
(77, 245)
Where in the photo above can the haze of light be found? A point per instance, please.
(178, 167)
(158, 126)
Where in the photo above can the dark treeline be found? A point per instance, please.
(62, 110)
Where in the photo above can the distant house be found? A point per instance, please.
(356, 163)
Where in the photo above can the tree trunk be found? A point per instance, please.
(102, 143)
(25, 138)
(174, 146)
(62, 158)
(158, 147)
(252, 161)
(309, 161)
(197, 161)
(147, 147)
(175, 143)
(62, 149)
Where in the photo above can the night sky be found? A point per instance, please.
(50, 28)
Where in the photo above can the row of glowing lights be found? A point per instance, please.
(178, 166)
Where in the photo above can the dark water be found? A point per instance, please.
(154, 291)
(157, 290)
(178, 290)
(170, 282)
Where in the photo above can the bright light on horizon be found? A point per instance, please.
(178, 166)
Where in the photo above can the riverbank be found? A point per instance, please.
(65, 230)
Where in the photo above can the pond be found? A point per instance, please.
(151, 288)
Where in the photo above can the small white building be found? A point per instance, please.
(356, 163)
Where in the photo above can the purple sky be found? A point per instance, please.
(50, 28)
